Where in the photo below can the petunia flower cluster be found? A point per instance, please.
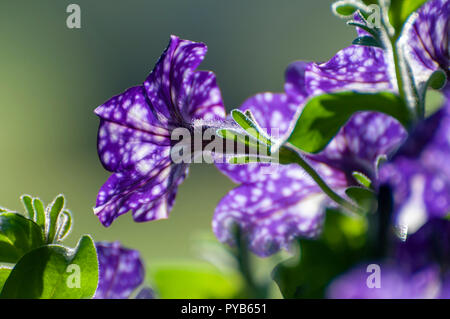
(371, 151)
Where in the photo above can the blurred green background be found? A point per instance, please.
(53, 77)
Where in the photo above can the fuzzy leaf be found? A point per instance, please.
(55, 272)
(18, 236)
(54, 210)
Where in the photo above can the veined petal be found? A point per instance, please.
(176, 92)
(356, 67)
(149, 198)
(419, 173)
(126, 124)
(425, 40)
(120, 271)
(201, 98)
(274, 211)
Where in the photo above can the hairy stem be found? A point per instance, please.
(289, 155)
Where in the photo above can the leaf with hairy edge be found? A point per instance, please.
(54, 210)
(39, 212)
(64, 225)
(249, 126)
(28, 204)
(55, 272)
(325, 114)
(18, 236)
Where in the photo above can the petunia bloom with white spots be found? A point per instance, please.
(419, 173)
(424, 42)
(275, 207)
(121, 271)
(134, 137)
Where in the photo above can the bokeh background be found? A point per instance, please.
(53, 77)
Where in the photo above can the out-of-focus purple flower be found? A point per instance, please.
(418, 268)
(419, 173)
(429, 245)
(134, 137)
(120, 271)
(278, 206)
(395, 283)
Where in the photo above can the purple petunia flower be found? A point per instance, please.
(120, 271)
(419, 269)
(419, 173)
(395, 283)
(274, 209)
(429, 245)
(369, 69)
(425, 41)
(134, 137)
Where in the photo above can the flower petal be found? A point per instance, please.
(356, 67)
(425, 40)
(365, 137)
(274, 211)
(120, 271)
(419, 173)
(176, 92)
(149, 198)
(128, 129)
(295, 86)
(395, 284)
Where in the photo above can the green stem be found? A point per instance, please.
(253, 290)
(389, 40)
(289, 155)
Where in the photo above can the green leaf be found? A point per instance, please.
(434, 100)
(325, 114)
(55, 272)
(400, 10)
(372, 31)
(362, 196)
(193, 280)
(4, 274)
(18, 236)
(64, 225)
(54, 210)
(362, 179)
(346, 8)
(39, 210)
(28, 204)
(249, 126)
(437, 80)
(367, 41)
(232, 135)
